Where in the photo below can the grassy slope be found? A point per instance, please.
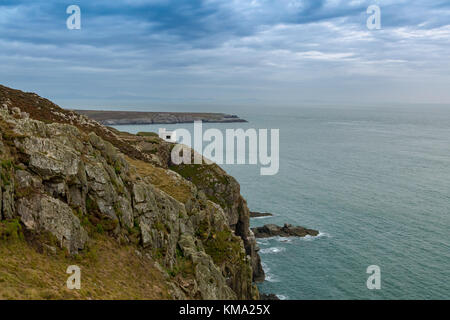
(108, 271)
(162, 180)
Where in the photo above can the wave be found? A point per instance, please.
(272, 250)
(283, 239)
(320, 235)
(269, 276)
(265, 241)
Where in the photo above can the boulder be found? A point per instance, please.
(49, 158)
(254, 214)
(43, 213)
(268, 296)
(272, 230)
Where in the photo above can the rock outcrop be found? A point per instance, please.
(225, 191)
(40, 213)
(67, 179)
(254, 214)
(272, 230)
(269, 296)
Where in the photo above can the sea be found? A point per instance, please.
(375, 182)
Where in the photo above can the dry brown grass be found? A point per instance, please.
(108, 271)
(160, 178)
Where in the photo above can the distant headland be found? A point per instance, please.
(136, 117)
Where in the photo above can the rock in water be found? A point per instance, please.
(259, 214)
(268, 296)
(272, 230)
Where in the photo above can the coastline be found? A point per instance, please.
(139, 117)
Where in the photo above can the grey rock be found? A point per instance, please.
(8, 200)
(211, 283)
(49, 158)
(272, 230)
(254, 214)
(25, 179)
(269, 296)
(126, 211)
(101, 188)
(43, 213)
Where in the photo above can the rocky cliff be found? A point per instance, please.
(73, 191)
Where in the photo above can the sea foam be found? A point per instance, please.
(272, 250)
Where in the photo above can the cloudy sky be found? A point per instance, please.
(167, 53)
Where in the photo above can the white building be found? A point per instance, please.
(169, 136)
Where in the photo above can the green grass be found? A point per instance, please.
(99, 229)
(223, 247)
(5, 171)
(6, 164)
(205, 178)
(91, 205)
(147, 134)
(183, 267)
(11, 230)
(117, 168)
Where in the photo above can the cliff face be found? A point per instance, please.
(225, 191)
(71, 187)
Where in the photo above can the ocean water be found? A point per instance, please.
(375, 181)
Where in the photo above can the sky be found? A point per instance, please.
(170, 53)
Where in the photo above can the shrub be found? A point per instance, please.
(91, 205)
(100, 229)
(184, 266)
(6, 164)
(117, 168)
(222, 247)
(5, 175)
(11, 230)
